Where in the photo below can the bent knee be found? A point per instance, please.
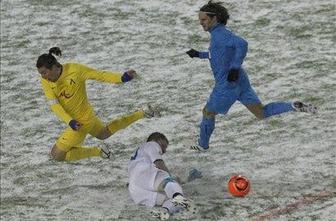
(260, 116)
(257, 110)
(57, 154)
(208, 114)
(104, 134)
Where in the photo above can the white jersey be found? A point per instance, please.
(142, 173)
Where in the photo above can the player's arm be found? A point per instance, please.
(106, 76)
(198, 54)
(240, 46)
(154, 152)
(160, 164)
(57, 108)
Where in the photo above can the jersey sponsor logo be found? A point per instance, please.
(65, 95)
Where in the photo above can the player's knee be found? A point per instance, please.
(208, 114)
(57, 154)
(104, 134)
(260, 115)
(258, 111)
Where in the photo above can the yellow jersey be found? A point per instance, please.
(67, 96)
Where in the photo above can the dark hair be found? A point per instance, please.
(48, 60)
(216, 9)
(156, 136)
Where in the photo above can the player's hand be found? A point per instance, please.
(75, 125)
(193, 53)
(233, 75)
(128, 75)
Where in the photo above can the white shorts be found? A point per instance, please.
(144, 189)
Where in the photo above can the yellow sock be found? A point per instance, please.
(77, 153)
(124, 121)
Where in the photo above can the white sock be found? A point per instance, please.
(171, 188)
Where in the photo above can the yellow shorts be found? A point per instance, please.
(71, 138)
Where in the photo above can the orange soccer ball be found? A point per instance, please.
(239, 186)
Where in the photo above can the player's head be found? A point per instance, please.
(48, 66)
(212, 13)
(159, 138)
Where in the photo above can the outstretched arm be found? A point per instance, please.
(198, 54)
(106, 76)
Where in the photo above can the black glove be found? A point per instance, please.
(233, 75)
(193, 53)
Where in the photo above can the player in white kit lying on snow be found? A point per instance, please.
(150, 182)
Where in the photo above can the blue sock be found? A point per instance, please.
(275, 108)
(207, 127)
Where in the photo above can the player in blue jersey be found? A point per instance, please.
(226, 55)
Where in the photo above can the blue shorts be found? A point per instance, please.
(225, 95)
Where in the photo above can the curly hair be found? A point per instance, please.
(216, 9)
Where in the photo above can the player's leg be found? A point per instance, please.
(165, 207)
(256, 109)
(250, 99)
(275, 108)
(206, 129)
(120, 123)
(126, 120)
(220, 101)
(68, 147)
(168, 207)
(173, 190)
(163, 182)
(271, 109)
(163, 210)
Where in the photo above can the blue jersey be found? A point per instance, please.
(227, 51)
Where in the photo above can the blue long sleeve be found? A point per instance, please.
(204, 55)
(240, 52)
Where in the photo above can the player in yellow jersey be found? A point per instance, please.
(65, 90)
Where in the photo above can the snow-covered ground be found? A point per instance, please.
(290, 159)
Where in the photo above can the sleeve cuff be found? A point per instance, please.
(125, 77)
(204, 55)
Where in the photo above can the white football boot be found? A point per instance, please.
(198, 148)
(160, 213)
(151, 112)
(302, 107)
(187, 204)
(105, 152)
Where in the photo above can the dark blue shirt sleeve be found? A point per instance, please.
(204, 54)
